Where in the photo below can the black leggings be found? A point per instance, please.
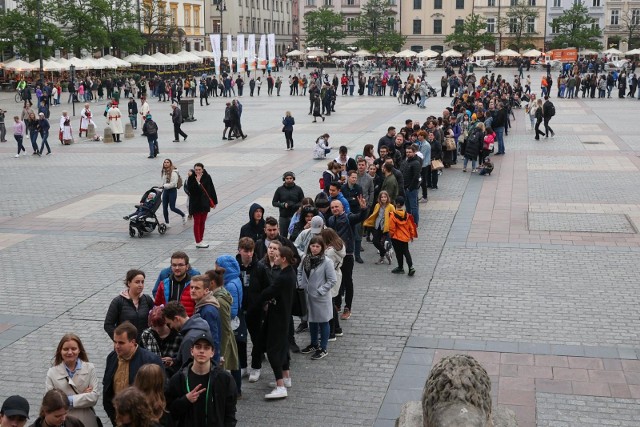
(346, 286)
(288, 135)
(402, 250)
(379, 237)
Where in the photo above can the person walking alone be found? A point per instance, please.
(202, 198)
(288, 122)
(150, 130)
(19, 130)
(176, 118)
(170, 177)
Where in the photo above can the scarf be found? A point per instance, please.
(312, 261)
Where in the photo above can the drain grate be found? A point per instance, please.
(104, 246)
(592, 142)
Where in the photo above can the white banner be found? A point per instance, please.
(271, 42)
(215, 48)
(230, 52)
(240, 49)
(262, 53)
(251, 50)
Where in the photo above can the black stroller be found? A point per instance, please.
(144, 219)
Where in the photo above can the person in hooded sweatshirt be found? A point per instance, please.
(402, 230)
(208, 307)
(247, 260)
(189, 327)
(255, 227)
(227, 288)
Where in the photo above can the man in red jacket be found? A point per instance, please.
(176, 286)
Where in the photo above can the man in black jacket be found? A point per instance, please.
(123, 364)
(548, 111)
(176, 118)
(255, 227)
(411, 169)
(287, 199)
(387, 140)
(201, 393)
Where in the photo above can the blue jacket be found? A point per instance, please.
(343, 200)
(141, 357)
(165, 273)
(232, 282)
(345, 226)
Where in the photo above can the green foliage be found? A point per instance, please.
(121, 22)
(324, 28)
(375, 27)
(473, 35)
(81, 23)
(18, 28)
(575, 29)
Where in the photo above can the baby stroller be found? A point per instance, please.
(432, 92)
(144, 219)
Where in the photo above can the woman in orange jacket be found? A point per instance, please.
(402, 230)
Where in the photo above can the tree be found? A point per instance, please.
(516, 22)
(375, 27)
(122, 22)
(631, 27)
(19, 26)
(576, 29)
(472, 35)
(324, 28)
(156, 23)
(81, 23)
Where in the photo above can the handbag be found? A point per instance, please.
(211, 202)
(437, 165)
(450, 144)
(299, 306)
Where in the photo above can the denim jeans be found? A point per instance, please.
(466, 160)
(169, 197)
(500, 137)
(411, 201)
(45, 137)
(134, 121)
(34, 140)
(153, 143)
(324, 334)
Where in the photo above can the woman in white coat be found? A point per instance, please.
(114, 120)
(76, 377)
(317, 276)
(335, 251)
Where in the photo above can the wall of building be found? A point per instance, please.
(494, 10)
(628, 13)
(556, 7)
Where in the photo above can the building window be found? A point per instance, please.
(532, 2)
(513, 25)
(241, 21)
(596, 3)
(392, 2)
(437, 4)
(417, 4)
(459, 4)
(615, 17)
(328, 2)
(514, 3)
(491, 3)
(595, 25)
(459, 26)
(196, 18)
(635, 16)
(491, 25)
(531, 25)
(351, 24)
(417, 26)
(557, 3)
(239, 2)
(555, 27)
(437, 26)
(349, 2)
(309, 3)
(416, 48)
(187, 17)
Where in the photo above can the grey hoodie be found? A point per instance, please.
(191, 329)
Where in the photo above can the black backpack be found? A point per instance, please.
(552, 109)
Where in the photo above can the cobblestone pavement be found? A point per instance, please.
(533, 270)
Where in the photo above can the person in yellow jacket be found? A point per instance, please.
(402, 230)
(379, 222)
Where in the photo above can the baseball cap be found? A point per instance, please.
(203, 336)
(15, 405)
(41, 114)
(317, 223)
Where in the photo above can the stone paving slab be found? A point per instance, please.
(562, 410)
(579, 222)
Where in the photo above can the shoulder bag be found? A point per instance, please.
(212, 204)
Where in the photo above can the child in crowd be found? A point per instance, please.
(402, 230)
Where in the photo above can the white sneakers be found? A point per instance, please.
(16, 156)
(167, 225)
(277, 393)
(254, 375)
(287, 383)
(202, 245)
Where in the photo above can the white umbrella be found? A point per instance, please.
(406, 54)
(612, 51)
(48, 65)
(160, 58)
(451, 53)
(315, 53)
(132, 59)
(340, 54)
(508, 52)
(93, 64)
(116, 61)
(191, 58)
(203, 53)
(105, 63)
(177, 59)
(587, 52)
(79, 63)
(532, 53)
(483, 53)
(295, 53)
(633, 52)
(428, 54)
(387, 54)
(147, 60)
(363, 52)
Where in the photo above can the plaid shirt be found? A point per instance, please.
(167, 347)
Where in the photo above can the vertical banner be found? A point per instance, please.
(230, 52)
(262, 53)
(240, 49)
(251, 50)
(215, 48)
(271, 42)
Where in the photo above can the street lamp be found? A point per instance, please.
(221, 6)
(40, 41)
